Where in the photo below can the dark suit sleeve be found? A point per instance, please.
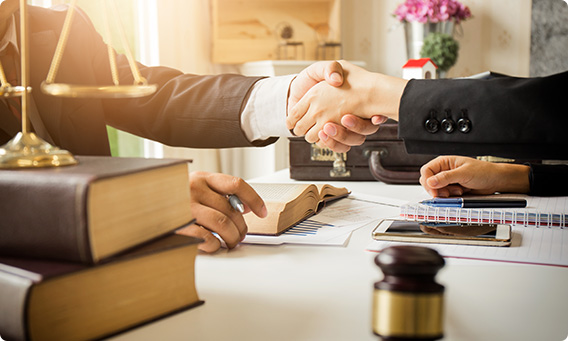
(548, 180)
(187, 110)
(508, 117)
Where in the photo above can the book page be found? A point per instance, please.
(331, 191)
(278, 192)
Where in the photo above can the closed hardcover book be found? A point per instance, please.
(50, 300)
(90, 211)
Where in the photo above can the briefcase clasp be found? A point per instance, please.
(339, 169)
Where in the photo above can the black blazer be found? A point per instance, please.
(524, 118)
(187, 110)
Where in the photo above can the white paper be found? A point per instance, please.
(533, 245)
(335, 222)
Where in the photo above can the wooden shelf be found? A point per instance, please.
(246, 30)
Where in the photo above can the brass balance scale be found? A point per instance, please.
(26, 149)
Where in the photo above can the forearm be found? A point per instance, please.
(384, 95)
(511, 178)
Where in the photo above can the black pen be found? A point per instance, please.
(236, 203)
(475, 203)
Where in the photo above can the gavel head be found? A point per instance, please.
(408, 303)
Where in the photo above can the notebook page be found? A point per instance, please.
(529, 245)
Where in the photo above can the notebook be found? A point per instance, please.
(540, 212)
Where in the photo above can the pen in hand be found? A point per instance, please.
(236, 203)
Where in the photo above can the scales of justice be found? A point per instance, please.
(26, 149)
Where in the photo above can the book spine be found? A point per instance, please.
(488, 216)
(44, 219)
(13, 297)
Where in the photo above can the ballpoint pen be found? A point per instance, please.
(236, 203)
(475, 203)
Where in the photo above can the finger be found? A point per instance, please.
(228, 184)
(219, 223)
(297, 112)
(304, 124)
(445, 178)
(327, 142)
(379, 119)
(205, 194)
(455, 190)
(343, 135)
(312, 135)
(210, 242)
(359, 125)
(442, 193)
(330, 71)
(333, 73)
(430, 169)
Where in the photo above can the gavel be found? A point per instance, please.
(408, 303)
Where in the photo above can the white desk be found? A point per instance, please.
(295, 292)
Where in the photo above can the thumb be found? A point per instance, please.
(445, 178)
(334, 74)
(330, 71)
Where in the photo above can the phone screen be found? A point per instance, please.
(449, 230)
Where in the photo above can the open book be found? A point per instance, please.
(289, 204)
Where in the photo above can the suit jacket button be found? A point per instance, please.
(448, 125)
(464, 125)
(432, 125)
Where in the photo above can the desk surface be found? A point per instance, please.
(299, 292)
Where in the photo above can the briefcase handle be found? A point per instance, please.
(388, 176)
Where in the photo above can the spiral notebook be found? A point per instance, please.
(540, 212)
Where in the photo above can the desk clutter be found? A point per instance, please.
(83, 248)
(538, 231)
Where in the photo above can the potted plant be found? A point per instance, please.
(442, 49)
(422, 17)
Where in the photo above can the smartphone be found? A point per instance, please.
(443, 233)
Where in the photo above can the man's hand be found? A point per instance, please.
(213, 213)
(455, 175)
(352, 132)
(334, 136)
(329, 71)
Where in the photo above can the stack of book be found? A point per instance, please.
(88, 251)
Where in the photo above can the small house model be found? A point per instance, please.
(423, 68)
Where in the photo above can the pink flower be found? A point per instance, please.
(432, 11)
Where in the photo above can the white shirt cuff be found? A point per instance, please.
(264, 115)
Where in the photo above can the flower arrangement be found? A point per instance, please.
(432, 11)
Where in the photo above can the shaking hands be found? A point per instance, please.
(340, 113)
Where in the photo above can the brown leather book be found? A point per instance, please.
(93, 210)
(289, 204)
(49, 300)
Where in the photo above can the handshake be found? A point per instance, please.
(350, 103)
(342, 109)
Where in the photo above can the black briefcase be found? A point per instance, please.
(382, 157)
